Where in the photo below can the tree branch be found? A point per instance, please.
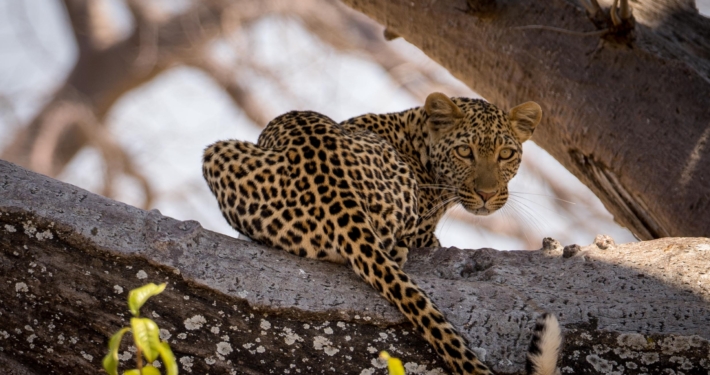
(629, 120)
(71, 256)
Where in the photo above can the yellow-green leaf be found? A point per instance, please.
(110, 361)
(138, 296)
(146, 336)
(132, 372)
(150, 370)
(168, 358)
(394, 365)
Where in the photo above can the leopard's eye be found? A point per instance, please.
(506, 153)
(464, 152)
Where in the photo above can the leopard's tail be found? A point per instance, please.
(545, 347)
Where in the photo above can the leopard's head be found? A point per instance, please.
(476, 148)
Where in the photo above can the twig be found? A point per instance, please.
(624, 10)
(615, 16)
(592, 6)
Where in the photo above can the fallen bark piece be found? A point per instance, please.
(68, 259)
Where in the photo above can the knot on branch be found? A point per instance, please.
(618, 21)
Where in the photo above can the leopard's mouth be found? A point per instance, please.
(483, 211)
(476, 205)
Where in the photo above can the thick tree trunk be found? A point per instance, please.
(69, 257)
(627, 112)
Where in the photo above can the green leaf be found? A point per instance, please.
(110, 361)
(146, 336)
(137, 297)
(168, 357)
(132, 372)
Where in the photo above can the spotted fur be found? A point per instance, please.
(365, 191)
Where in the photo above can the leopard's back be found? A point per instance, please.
(302, 180)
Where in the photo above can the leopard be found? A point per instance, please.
(365, 191)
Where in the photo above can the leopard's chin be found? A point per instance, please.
(475, 207)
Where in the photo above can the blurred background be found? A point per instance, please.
(120, 97)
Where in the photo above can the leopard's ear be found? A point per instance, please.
(442, 112)
(524, 118)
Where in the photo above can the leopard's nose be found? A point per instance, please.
(486, 195)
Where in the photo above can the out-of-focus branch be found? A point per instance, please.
(7, 111)
(350, 31)
(101, 76)
(347, 31)
(73, 118)
(66, 114)
(78, 12)
(242, 97)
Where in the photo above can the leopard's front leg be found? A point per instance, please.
(367, 256)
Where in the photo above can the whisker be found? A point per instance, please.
(526, 215)
(518, 193)
(518, 199)
(442, 187)
(439, 188)
(508, 212)
(441, 226)
(441, 205)
(436, 185)
(438, 206)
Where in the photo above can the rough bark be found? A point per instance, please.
(69, 257)
(626, 111)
